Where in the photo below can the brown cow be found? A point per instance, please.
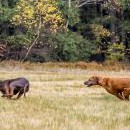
(120, 87)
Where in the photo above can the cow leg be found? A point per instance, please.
(20, 94)
(118, 95)
(126, 93)
(11, 91)
(7, 92)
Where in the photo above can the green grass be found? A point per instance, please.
(58, 100)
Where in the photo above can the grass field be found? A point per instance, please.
(58, 100)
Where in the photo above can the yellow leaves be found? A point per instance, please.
(39, 6)
(30, 12)
(100, 31)
(24, 12)
(51, 9)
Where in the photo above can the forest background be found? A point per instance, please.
(65, 30)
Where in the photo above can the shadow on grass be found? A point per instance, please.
(104, 97)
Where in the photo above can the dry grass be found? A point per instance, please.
(108, 65)
(58, 100)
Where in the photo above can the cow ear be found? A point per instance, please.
(99, 80)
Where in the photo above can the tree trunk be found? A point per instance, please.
(112, 26)
(122, 26)
(69, 6)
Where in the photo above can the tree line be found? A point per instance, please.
(65, 30)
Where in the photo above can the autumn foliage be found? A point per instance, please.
(43, 13)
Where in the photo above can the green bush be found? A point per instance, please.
(116, 52)
(72, 47)
(18, 40)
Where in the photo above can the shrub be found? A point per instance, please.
(116, 52)
(73, 47)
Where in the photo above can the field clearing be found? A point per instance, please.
(58, 100)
